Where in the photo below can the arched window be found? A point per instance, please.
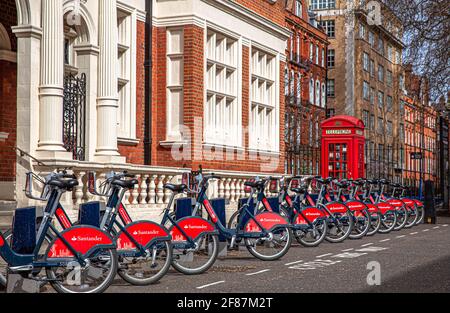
(311, 91)
(317, 93)
(324, 96)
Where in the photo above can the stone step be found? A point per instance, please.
(7, 205)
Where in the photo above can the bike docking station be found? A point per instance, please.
(25, 226)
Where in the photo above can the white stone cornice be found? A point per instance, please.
(9, 56)
(245, 42)
(252, 17)
(178, 21)
(25, 31)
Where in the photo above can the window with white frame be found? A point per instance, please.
(311, 91)
(317, 93)
(126, 69)
(329, 26)
(175, 67)
(263, 119)
(292, 84)
(298, 8)
(311, 51)
(366, 61)
(298, 49)
(317, 55)
(286, 82)
(331, 58)
(299, 88)
(222, 122)
(324, 98)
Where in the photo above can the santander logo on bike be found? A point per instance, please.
(195, 227)
(87, 238)
(145, 232)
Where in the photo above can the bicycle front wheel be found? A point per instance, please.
(194, 261)
(362, 224)
(272, 247)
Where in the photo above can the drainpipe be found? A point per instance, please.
(148, 83)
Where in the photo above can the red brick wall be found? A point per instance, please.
(8, 120)
(135, 153)
(273, 12)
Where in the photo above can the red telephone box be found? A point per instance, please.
(343, 147)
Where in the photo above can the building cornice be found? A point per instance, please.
(250, 16)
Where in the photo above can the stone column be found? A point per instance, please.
(107, 95)
(51, 90)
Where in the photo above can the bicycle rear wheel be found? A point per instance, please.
(199, 260)
(314, 236)
(388, 222)
(341, 228)
(95, 277)
(375, 224)
(272, 247)
(362, 222)
(420, 215)
(149, 269)
(411, 217)
(402, 217)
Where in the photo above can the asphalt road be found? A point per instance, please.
(410, 260)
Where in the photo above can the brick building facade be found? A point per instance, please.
(214, 95)
(305, 89)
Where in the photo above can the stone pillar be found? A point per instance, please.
(107, 95)
(51, 90)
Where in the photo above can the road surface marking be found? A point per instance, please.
(348, 255)
(425, 230)
(260, 272)
(436, 227)
(346, 250)
(372, 249)
(367, 244)
(292, 263)
(445, 225)
(401, 236)
(384, 240)
(323, 255)
(414, 233)
(212, 284)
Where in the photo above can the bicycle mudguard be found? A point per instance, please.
(336, 207)
(356, 205)
(143, 232)
(410, 204)
(194, 227)
(86, 240)
(311, 214)
(418, 203)
(270, 221)
(395, 203)
(385, 207)
(372, 208)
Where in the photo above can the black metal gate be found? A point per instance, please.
(74, 119)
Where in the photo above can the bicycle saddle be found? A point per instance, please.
(325, 180)
(255, 184)
(343, 184)
(299, 189)
(372, 181)
(176, 188)
(384, 181)
(358, 182)
(127, 184)
(396, 185)
(67, 184)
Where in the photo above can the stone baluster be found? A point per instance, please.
(143, 195)
(126, 197)
(160, 190)
(152, 190)
(79, 194)
(135, 192)
(227, 188)
(233, 190)
(222, 188)
(167, 192)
